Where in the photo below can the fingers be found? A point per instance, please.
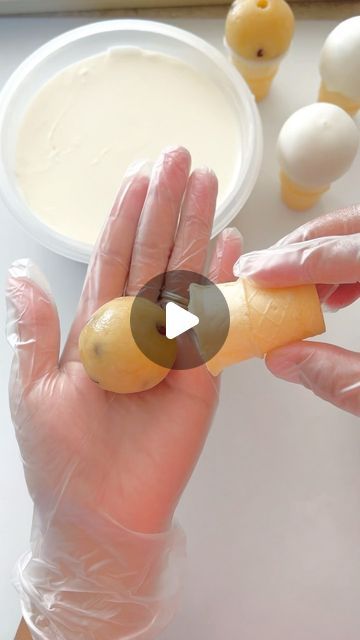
(193, 232)
(330, 372)
(329, 260)
(339, 223)
(156, 231)
(32, 323)
(195, 224)
(227, 250)
(343, 296)
(275, 266)
(110, 262)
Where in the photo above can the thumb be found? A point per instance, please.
(330, 260)
(330, 372)
(32, 322)
(228, 248)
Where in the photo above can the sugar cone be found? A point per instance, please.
(298, 197)
(258, 74)
(260, 320)
(339, 99)
(281, 316)
(260, 86)
(203, 304)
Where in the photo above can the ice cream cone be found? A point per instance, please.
(260, 319)
(203, 304)
(339, 99)
(298, 197)
(258, 75)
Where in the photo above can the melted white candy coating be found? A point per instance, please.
(317, 145)
(340, 59)
(90, 121)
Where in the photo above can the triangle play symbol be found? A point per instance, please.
(178, 320)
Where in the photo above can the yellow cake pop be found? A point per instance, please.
(112, 357)
(257, 34)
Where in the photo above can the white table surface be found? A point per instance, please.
(272, 512)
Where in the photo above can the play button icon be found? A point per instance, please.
(178, 320)
(158, 330)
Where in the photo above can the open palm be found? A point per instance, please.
(128, 456)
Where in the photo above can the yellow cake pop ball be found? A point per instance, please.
(112, 357)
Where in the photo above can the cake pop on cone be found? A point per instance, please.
(316, 146)
(340, 66)
(257, 35)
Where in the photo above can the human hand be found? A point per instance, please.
(101, 466)
(325, 251)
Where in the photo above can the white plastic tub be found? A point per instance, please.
(96, 38)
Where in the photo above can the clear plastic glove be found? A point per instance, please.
(106, 471)
(326, 252)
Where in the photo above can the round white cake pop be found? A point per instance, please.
(340, 59)
(317, 145)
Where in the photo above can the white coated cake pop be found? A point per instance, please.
(316, 145)
(340, 60)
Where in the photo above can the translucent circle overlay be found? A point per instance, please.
(195, 346)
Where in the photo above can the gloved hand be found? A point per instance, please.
(106, 471)
(326, 252)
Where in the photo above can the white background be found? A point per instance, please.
(272, 513)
